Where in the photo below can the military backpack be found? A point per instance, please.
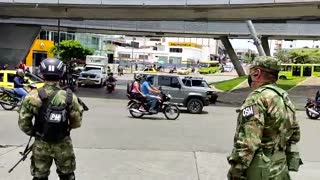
(52, 122)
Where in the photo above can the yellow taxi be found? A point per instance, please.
(6, 79)
(184, 71)
(149, 70)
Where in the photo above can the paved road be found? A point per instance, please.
(111, 145)
(120, 92)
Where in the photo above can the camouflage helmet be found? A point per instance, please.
(267, 62)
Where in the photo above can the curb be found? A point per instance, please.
(299, 84)
(298, 108)
(237, 86)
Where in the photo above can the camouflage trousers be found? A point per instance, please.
(43, 154)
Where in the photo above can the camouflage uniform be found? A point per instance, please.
(43, 152)
(266, 128)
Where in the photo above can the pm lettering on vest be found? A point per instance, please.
(55, 117)
(248, 111)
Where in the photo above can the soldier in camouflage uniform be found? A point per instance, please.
(267, 130)
(43, 153)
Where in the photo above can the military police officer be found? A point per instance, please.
(267, 130)
(44, 151)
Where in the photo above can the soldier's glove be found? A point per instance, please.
(236, 174)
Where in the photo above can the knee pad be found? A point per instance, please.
(70, 176)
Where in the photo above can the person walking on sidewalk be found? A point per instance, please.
(267, 132)
(56, 112)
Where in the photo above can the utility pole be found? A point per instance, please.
(256, 40)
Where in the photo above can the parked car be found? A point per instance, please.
(6, 79)
(193, 98)
(184, 71)
(150, 70)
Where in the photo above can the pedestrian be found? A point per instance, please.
(267, 130)
(56, 112)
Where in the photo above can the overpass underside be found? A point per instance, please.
(289, 30)
(186, 10)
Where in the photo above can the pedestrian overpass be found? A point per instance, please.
(167, 10)
(290, 29)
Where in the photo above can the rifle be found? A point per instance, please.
(85, 107)
(24, 154)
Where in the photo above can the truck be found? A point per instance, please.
(94, 72)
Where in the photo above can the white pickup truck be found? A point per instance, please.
(94, 72)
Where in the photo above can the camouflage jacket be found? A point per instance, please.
(32, 103)
(266, 121)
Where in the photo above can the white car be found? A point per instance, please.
(93, 75)
(228, 67)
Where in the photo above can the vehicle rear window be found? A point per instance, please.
(197, 83)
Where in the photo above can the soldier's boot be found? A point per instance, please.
(35, 178)
(67, 177)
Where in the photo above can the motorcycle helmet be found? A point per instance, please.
(52, 69)
(20, 72)
(138, 77)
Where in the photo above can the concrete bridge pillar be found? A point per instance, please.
(233, 56)
(15, 42)
(265, 45)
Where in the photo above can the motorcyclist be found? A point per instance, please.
(18, 81)
(108, 70)
(111, 80)
(135, 90)
(147, 89)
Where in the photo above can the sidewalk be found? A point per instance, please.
(109, 164)
(298, 94)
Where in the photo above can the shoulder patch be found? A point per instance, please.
(248, 111)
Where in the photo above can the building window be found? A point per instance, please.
(176, 50)
(44, 35)
(126, 56)
(154, 39)
(95, 40)
(316, 69)
(70, 36)
(175, 60)
(143, 56)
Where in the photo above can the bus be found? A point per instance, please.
(296, 70)
(209, 67)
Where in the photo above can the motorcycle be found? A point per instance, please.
(9, 99)
(72, 82)
(110, 86)
(312, 108)
(170, 110)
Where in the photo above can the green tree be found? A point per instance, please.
(300, 55)
(305, 55)
(283, 55)
(71, 49)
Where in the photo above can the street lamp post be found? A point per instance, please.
(132, 53)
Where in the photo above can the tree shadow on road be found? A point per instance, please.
(152, 118)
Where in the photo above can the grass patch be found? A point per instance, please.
(290, 82)
(229, 84)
